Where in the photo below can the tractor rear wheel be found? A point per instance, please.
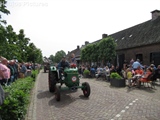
(57, 93)
(86, 89)
(52, 81)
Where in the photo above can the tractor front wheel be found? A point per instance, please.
(57, 94)
(86, 89)
(52, 81)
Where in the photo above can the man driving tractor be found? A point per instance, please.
(63, 63)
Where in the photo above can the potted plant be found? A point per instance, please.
(116, 80)
(86, 73)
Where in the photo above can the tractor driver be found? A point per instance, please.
(63, 63)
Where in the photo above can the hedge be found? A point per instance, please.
(16, 102)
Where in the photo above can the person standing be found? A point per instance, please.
(136, 64)
(73, 59)
(2, 97)
(23, 70)
(107, 73)
(4, 71)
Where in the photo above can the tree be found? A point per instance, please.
(59, 56)
(3, 40)
(22, 43)
(11, 48)
(107, 49)
(104, 50)
(34, 54)
(52, 58)
(94, 52)
(3, 10)
(13, 45)
(83, 55)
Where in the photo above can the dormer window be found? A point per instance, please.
(130, 35)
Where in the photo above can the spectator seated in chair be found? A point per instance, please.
(147, 78)
(137, 75)
(100, 73)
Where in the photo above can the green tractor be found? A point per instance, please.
(46, 64)
(67, 76)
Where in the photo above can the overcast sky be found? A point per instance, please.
(54, 25)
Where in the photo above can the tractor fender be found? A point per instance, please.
(54, 69)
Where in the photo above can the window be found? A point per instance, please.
(140, 57)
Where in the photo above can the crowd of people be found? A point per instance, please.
(128, 71)
(138, 73)
(99, 71)
(11, 70)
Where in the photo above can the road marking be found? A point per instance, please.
(127, 107)
(123, 111)
(118, 115)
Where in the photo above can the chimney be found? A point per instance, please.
(77, 46)
(155, 14)
(104, 36)
(86, 42)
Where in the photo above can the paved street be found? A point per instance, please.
(104, 103)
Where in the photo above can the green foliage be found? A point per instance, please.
(34, 54)
(86, 72)
(16, 103)
(3, 10)
(13, 44)
(107, 49)
(115, 75)
(59, 56)
(18, 45)
(34, 73)
(104, 50)
(52, 58)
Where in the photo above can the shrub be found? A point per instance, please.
(115, 75)
(86, 72)
(34, 73)
(16, 103)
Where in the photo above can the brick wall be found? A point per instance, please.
(145, 51)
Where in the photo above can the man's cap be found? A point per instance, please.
(138, 60)
(152, 65)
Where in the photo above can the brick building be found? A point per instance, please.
(141, 41)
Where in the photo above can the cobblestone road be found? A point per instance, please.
(104, 103)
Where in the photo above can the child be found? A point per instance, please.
(129, 76)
